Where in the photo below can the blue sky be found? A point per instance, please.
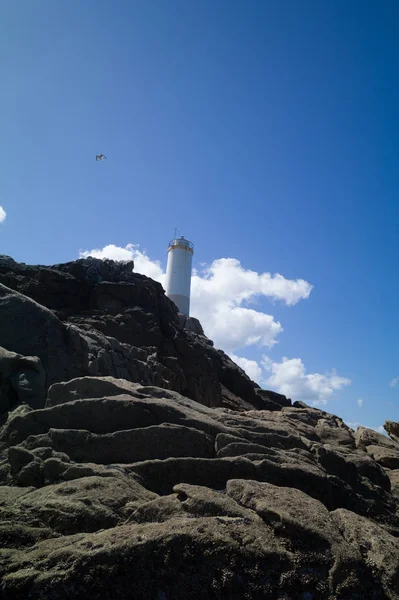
(265, 131)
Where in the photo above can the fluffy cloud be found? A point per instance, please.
(289, 377)
(394, 382)
(225, 278)
(218, 292)
(251, 367)
(3, 214)
(359, 402)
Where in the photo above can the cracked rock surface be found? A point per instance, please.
(138, 462)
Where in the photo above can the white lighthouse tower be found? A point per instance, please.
(178, 273)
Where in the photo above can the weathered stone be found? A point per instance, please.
(22, 380)
(368, 437)
(289, 511)
(86, 504)
(161, 476)
(142, 404)
(112, 312)
(349, 465)
(19, 457)
(30, 329)
(159, 510)
(154, 442)
(386, 457)
(394, 479)
(240, 448)
(379, 549)
(8, 494)
(107, 415)
(18, 535)
(200, 501)
(333, 435)
(392, 430)
(53, 469)
(191, 324)
(158, 560)
(83, 388)
(273, 397)
(224, 439)
(31, 475)
(303, 476)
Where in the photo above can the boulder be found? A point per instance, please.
(292, 513)
(386, 457)
(30, 475)
(86, 504)
(306, 528)
(369, 437)
(379, 549)
(157, 560)
(19, 457)
(330, 433)
(394, 479)
(274, 397)
(22, 380)
(191, 324)
(392, 430)
(31, 330)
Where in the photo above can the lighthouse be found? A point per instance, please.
(178, 273)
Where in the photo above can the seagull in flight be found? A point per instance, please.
(100, 157)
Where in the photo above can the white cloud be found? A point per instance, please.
(359, 402)
(218, 292)
(226, 278)
(251, 367)
(394, 382)
(232, 327)
(289, 377)
(3, 214)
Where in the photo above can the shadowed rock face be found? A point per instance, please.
(98, 318)
(114, 483)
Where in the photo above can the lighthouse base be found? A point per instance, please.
(182, 303)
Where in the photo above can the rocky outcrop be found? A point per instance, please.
(114, 487)
(98, 318)
(137, 461)
(392, 429)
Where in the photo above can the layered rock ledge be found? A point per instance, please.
(137, 461)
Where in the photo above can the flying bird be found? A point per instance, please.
(100, 157)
